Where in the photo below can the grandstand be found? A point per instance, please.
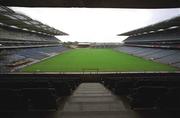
(159, 42)
(24, 40)
(22, 31)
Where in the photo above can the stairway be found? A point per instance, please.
(93, 100)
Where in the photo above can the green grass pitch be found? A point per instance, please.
(103, 60)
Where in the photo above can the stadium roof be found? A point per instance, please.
(20, 21)
(94, 3)
(173, 23)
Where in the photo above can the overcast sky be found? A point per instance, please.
(97, 25)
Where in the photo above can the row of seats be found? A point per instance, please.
(25, 99)
(165, 36)
(39, 53)
(156, 97)
(24, 96)
(147, 94)
(6, 33)
(166, 56)
(30, 54)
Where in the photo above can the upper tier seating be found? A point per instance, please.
(168, 35)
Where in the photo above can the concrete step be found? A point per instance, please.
(97, 114)
(93, 100)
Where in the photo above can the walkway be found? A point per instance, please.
(93, 100)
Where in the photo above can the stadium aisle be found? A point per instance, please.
(93, 100)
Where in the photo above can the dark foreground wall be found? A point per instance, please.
(88, 77)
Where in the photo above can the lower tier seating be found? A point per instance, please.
(166, 56)
(39, 98)
(12, 59)
(34, 95)
(147, 94)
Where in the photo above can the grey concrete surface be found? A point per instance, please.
(93, 100)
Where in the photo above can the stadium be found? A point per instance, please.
(41, 76)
